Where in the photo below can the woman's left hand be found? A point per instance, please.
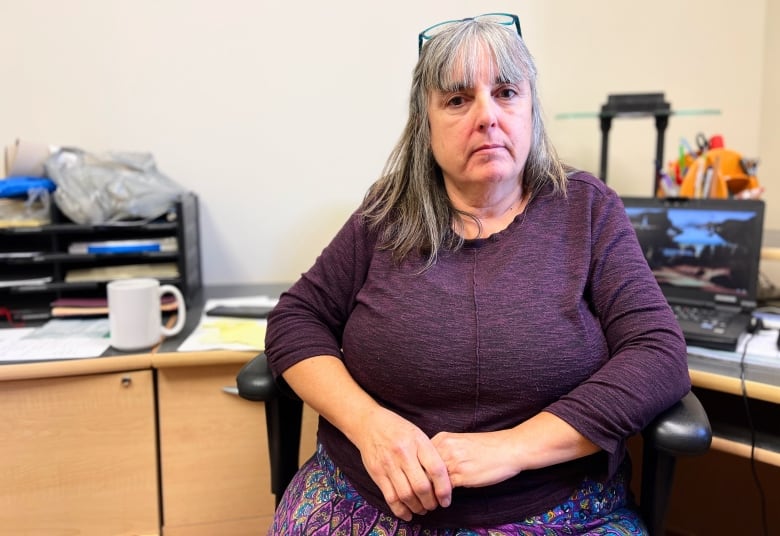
(477, 459)
(485, 458)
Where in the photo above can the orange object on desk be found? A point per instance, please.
(719, 173)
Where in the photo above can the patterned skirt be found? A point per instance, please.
(321, 502)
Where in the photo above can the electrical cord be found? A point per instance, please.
(753, 468)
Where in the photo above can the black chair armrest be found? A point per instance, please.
(283, 418)
(683, 429)
(255, 381)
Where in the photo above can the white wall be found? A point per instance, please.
(280, 115)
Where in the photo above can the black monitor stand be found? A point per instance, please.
(635, 105)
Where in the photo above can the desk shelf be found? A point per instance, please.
(769, 456)
(731, 425)
(75, 287)
(42, 253)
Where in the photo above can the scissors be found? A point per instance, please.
(702, 143)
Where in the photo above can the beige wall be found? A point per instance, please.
(769, 137)
(279, 117)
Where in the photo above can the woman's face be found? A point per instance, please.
(481, 135)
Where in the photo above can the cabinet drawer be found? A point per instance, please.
(213, 449)
(78, 455)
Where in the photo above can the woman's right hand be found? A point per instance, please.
(398, 456)
(403, 462)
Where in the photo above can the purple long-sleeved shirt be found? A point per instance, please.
(558, 312)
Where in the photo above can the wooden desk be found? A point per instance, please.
(715, 494)
(705, 382)
(720, 387)
(135, 444)
(151, 443)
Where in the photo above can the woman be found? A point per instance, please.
(483, 334)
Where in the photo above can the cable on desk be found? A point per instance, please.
(755, 326)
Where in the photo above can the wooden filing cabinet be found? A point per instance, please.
(213, 455)
(78, 455)
(158, 450)
(214, 461)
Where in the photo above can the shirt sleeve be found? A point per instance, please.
(310, 317)
(647, 370)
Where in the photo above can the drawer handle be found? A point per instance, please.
(127, 381)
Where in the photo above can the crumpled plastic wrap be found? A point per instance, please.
(32, 211)
(108, 188)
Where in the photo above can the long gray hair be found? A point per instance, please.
(409, 204)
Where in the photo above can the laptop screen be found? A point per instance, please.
(702, 251)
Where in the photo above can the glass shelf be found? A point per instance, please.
(595, 115)
(635, 105)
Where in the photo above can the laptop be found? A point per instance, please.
(705, 255)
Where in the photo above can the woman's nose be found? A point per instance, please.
(485, 113)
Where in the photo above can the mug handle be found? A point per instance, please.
(181, 312)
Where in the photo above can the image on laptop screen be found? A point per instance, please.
(703, 249)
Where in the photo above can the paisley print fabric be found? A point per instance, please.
(321, 502)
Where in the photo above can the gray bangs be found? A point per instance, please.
(455, 57)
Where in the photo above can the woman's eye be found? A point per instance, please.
(507, 92)
(455, 101)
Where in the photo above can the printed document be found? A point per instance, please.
(229, 333)
(57, 339)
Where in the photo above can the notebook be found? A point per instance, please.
(704, 254)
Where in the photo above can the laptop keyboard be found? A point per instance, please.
(714, 320)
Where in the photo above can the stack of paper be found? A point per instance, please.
(79, 307)
(224, 333)
(24, 282)
(109, 273)
(57, 339)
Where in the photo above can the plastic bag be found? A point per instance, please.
(108, 188)
(33, 211)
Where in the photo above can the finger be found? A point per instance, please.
(410, 480)
(412, 489)
(391, 478)
(446, 445)
(421, 492)
(393, 500)
(439, 478)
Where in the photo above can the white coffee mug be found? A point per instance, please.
(134, 316)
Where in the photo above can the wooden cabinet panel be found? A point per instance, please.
(254, 526)
(213, 450)
(716, 495)
(78, 456)
(308, 433)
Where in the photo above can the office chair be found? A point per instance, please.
(683, 429)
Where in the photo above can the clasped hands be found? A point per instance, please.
(416, 474)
